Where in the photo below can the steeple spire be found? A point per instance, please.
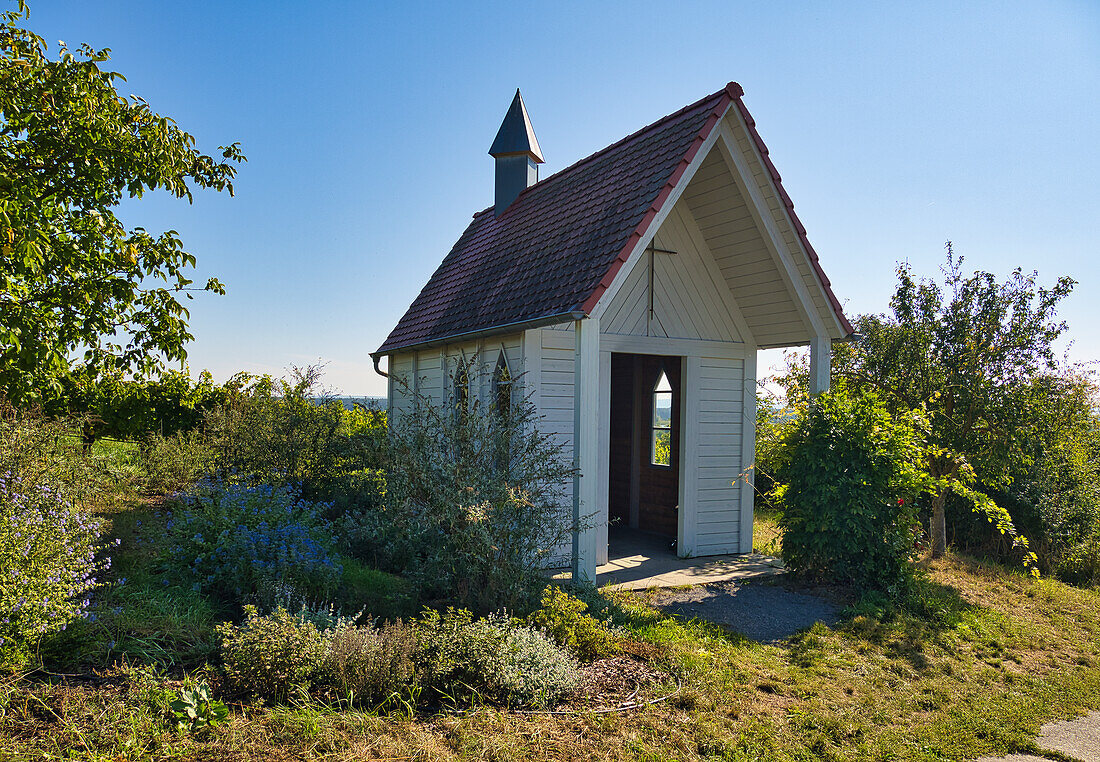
(517, 154)
(516, 135)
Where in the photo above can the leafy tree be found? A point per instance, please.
(966, 353)
(1055, 491)
(72, 277)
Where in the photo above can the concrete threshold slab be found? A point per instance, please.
(638, 562)
(640, 572)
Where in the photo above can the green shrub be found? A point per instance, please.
(448, 654)
(850, 472)
(564, 618)
(276, 655)
(1080, 564)
(472, 510)
(175, 462)
(121, 407)
(237, 542)
(461, 658)
(771, 421)
(372, 664)
(272, 656)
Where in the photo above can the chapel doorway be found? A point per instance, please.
(644, 483)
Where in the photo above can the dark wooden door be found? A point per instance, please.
(622, 438)
(659, 485)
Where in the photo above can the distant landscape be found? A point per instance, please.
(350, 401)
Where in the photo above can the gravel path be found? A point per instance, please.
(765, 613)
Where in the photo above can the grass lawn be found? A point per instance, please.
(983, 659)
(765, 532)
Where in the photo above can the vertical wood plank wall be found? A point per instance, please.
(553, 353)
(720, 423)
(688, 299)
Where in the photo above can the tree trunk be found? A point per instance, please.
(939, 526)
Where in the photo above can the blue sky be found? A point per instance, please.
(896, 126)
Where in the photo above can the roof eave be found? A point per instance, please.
(496, 330)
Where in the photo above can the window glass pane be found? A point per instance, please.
(661, 423)
(662, 410)
(662, 447)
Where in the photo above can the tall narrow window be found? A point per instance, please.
(661, 451)
(502, 389)
(502, 411)
(461, 391)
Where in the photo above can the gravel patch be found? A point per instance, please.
(765, 613)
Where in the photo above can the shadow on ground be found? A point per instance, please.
(774, 613)
(764, 613)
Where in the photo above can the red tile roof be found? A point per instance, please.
(558, 246)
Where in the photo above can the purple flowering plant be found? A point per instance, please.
(237, 541)
(49, 564)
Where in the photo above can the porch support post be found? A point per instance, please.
(586, 439)
(686, 516)
(603, 497)
(821, 355)
(748, 452)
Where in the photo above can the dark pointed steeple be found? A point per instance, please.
(517, 154)
(516, 135)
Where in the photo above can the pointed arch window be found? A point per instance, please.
(503, 441)
(460, 390)
(661, 423)
(502, 389)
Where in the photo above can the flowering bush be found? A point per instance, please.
(849, 471)
(48, 562)
(237, 541)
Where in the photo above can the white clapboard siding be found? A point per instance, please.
(429, 375)
(555, 401)
(690, 296)
(402, 369)
(549, 356)
(719, 455)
